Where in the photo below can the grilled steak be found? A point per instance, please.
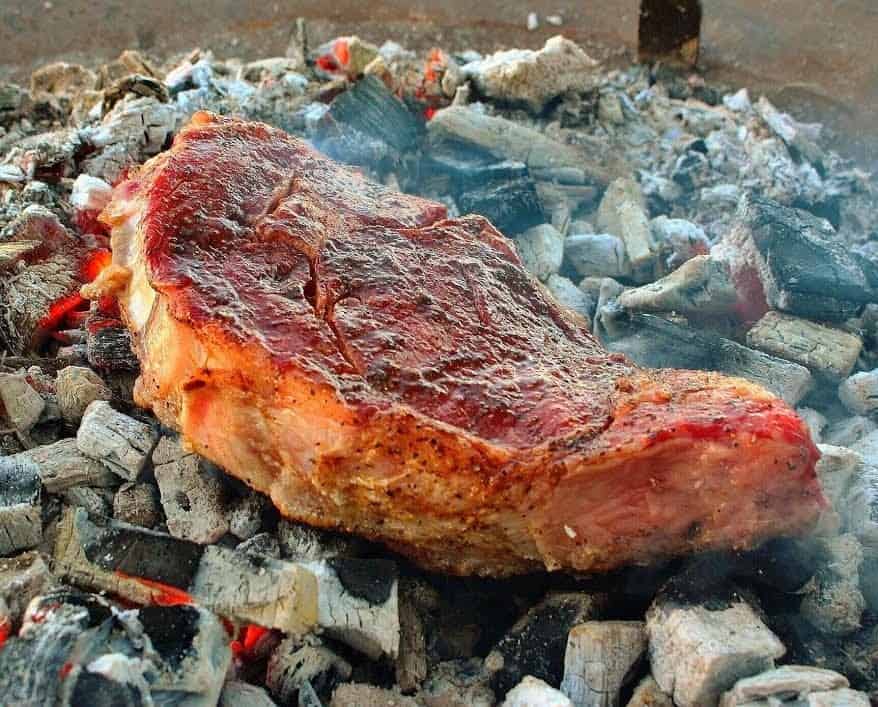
(378, 368)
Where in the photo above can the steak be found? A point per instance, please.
(378, 368)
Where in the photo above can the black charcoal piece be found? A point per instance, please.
(804, 267)
(369, 113)
(21, 524)
(503, 193)
(372, 580)
(654, 342)
(109, 349)
(143, 553)
(535, 644)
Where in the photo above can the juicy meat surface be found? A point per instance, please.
(378, 368)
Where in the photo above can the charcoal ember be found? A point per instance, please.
(120, 442)
(677, 240)
(411, 664)
(541, 249)
(798, 680)
(701, 286)
(77, 387)
(257, 589)
(128, 62)
(48, 156)
(622, 212)
(368, 110)
(21, 524)
(297, 660)
(37, 192)
(137, 504)
(859, 392)
(343, 55)
(797, 257)
(305, 543)
(849, 430)
(799, 138)
(699, 650)
(358, 603)
(261, 544)
(836, 469)
(691, 170)
(721, 196)
(135, 85)
(192, 654)
(649, 694)
(62, 466)
(13, 101)
(669, 32)
(571, 296)
(458, 130)
(783, 564)
(597, 255)
(43, 664)
(245, 515)
(62, 79)
(458, 683)
(600, 659)
(41, 264)
(144, 567)
(136, 128)
(22, 578)
(192, 493)
(533, 78)
(829, 353)
(535, 644)
(659, 343)
(22, 405)
(815, 421)
(833, 602)
(533, 692)
(108, 347)
(502, 192)
(89, 499)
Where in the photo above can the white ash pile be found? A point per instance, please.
(690, 226)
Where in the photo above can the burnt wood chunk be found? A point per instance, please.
(670, 31)
(122, 443)
(535, 644)
(62, 466)
(656, 342)
(829, 353)
(21, 524)
(108, 348)
(802, 264)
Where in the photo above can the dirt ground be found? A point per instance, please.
(815, 59)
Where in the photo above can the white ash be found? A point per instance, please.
(600, 659)
(541, 249)
(138, 504)
(193, 497)
(77, 387)
(22, 405)
(533, 692)
(295, 661)
(697, 653)
(115, 439)
(61, 466)
(788, 681)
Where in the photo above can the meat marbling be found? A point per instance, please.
(378, 368)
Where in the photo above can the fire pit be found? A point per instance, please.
(684, 223)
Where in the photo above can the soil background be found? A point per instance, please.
(814, 58)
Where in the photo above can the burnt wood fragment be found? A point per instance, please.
(659, 343)
(21, 524)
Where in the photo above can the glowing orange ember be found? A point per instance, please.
(59, 310)
(341, 51)
(164, 594)
(5, 630)
(95, 264)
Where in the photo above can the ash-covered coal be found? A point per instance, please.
(690, 225)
